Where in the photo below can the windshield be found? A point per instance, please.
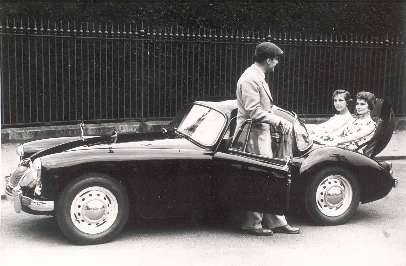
(203, 125)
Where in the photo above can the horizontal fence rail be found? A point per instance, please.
(65, 72)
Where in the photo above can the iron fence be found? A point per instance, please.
(65, 71)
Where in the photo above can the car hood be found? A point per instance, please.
(156, 141)
(35, 146)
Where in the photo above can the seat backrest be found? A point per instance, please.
(385, 124)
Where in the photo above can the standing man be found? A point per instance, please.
(254, 101)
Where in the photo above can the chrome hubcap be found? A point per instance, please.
(334, 195)
(94, 210)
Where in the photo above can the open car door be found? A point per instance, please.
(247, 181)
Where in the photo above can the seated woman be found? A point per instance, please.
(361, 129)
(341, 100)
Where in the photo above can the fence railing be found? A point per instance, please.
(64, 72)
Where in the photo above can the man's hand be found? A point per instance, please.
(285, 126)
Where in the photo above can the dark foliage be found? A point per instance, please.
(368, 17)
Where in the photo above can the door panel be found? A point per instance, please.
(173, 187)
(249, 184)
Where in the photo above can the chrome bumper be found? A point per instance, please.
(19, 200)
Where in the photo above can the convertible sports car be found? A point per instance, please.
(199, 162)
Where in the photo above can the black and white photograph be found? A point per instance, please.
(203, 132)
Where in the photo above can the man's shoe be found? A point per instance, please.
(286, 229)
(258, 231)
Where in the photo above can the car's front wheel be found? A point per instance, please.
(92, 209)
(332, 196)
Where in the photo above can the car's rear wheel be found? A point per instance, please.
(92, 209)
(332, 196)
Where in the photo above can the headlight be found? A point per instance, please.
(20, 150)
(32, 175)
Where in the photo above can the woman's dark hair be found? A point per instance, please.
(347, 95)
(369, 97)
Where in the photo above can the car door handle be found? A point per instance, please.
(257, 169)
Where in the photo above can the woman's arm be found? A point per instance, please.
(333, 126)
(363, 132)
(337, 132)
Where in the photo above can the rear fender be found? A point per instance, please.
(368, 172)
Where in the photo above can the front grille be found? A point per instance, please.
(17, 175)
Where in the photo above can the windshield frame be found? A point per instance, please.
(301, 123)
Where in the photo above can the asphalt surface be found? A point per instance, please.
(375, 236)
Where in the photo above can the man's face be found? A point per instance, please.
(272, 62)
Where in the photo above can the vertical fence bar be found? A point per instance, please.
(154, 77)
(16, 77)
(47, 80)
(2, 70)
(94, 106)
(23, 108)
(57, 94)
(130, 64)
(142, 74)
(326, 90)
(188, 74)
(111, 74)
(9, 76)
(62, 69)
(87, 73)
(68, 49)
(125, 44)
(401, 71)
(147, 88)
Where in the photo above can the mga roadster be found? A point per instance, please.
(198, 162)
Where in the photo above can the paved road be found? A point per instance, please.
(375, 236)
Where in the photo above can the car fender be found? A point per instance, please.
(375, 181)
